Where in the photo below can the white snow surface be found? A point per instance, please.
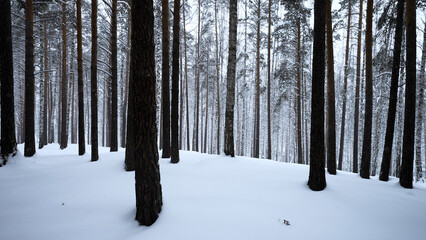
(59, 195)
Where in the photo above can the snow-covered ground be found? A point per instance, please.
(59, 195)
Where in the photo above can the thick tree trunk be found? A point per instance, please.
(64, 82)
(114, 104)
(174, 154)
(331, 114)
(8, 137)
(390, 125)
(81, 142)
(29, 148)
(406, 178)
(317, 180)
(420, 106)
(94, 82)
(358, 77)
(230, 91)
(147, 175)
(366, 144)
(165, 80)
(345, 87)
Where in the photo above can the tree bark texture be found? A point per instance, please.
(317, 180)
(147, 174)
(269, 150)
(8, 137)
(256, 140)
(390, 125)
(175, 85)
(406, 177)
(94, 82)
(64, 80)
(217, 81)
(81, 141)
(165, 79)
(368, 119)
(114, 79)
(230, 76)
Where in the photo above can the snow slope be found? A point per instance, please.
(58, 195)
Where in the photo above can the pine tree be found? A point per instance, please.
(81, 142)
(165, 80)
(8, 138)
(94, 82)
(406, 178)
(114, 79)
(64, 80)
(230, 91)
(317, 180)
(390, 126)
(175, 84)
(147, 175)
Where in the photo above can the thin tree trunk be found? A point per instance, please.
(186, 80)
(64, 82)
(29, 148)
(94, 82)
(81, 142)
(317, 180)
(147, 175)
(195, 136)
(345, 87)
(46, 86)
(366, 144)
(165, 80)
(299, 93)
(126, 88)
(358, 77)
(256, 130)
(174, 153)
(207, 104)
(8, 137)
(230, 91)
(406, 178)
(269, 77)
(180, 101)
(390, 126)
(114, 104)
(217, 81)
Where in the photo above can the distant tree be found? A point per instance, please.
(317, 180)
(366, 144)
(165, 79)
(420, 111)
(147, 175)
(357, 87)
(114, 79)
(195, 130)
(186, 79)
(256, 125)
(230, 91)
(29, 148)
(269, 150)
(175, 84)
(406, 177)
(94, 82)
(8, 138)
(217, 80)
(81, 142)
(390, 126)
(331, 114)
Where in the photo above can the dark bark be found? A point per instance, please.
(390, 125)
(269, 150)
(331, 114)
(299, 94)
(368, 120)
(256, 131)
(64, 82)
(147, 175)
(45, 85)
(8, 137)
(345, 88)
(195, 131)
(217, 82)
(29, 148)
(175, 85)
(165, 79)
(230, 91)
(94, 82)
(317, 180)
(126, 89)
(358, 77)
(81, 142)
(114, 79)
(406, 175)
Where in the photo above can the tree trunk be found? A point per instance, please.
(175, 85)
(256, 130)
(94, 82)
(46, 86)
(217, 81)
(269, 78)
(420, 106)
(64, 82)
(345, 87)
(331, 115)
(114, 105)
(81, 142)
(186, 80)
(147, 175)
(29, 149)
(317, 180)
(8, 137)
(358, 77)
(406, 178)
(366, 144)
(390, 126)
(180, 101)
(126, 88)
(207, 103)
(195, 132)
(230, 91)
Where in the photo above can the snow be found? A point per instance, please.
(59, 195)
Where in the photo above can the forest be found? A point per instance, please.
(338, 86)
